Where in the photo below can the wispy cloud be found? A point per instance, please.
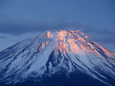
(22, 26)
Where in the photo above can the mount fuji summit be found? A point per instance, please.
(57, 58)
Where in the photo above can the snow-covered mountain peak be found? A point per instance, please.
(53, 52)
(68, 41)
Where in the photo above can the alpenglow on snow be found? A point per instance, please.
(51, 52)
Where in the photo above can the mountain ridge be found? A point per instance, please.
(51, 52)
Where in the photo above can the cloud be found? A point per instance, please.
(16, 27)
(2, 37)
(22, 26)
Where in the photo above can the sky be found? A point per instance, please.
(20, 19)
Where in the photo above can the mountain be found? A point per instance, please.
(60, 58)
